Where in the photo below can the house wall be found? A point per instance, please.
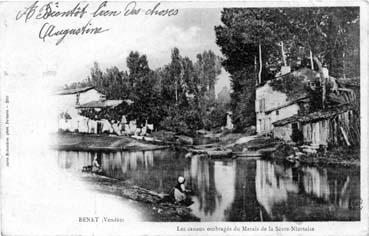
(328, 131)
(88, 96)
(67, 103)
(268, 99)
(316, 133)
(283, 132)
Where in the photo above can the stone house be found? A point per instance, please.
(272, 105)
(287, 113)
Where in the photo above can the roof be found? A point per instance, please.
(294, 84)
(318, 115)
(302, 74)
(355, 81)
(74, 91)
(104, 103)
(300, 99)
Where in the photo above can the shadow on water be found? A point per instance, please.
(236, 189)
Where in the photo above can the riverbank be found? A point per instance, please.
(151, 201)
(94, 142)
(337, 156)
(228, 145)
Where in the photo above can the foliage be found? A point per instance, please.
(113, 115)
(175, 97)
(65, 115)
(224, 96)
(113, 83)
(292, 86)
(208, 67)
(182, 120)
(242, 101)
(216, 117)
(331, 34)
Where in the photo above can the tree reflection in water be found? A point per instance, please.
(213, 183)
(235, 190)
(307, 193)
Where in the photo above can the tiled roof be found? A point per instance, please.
(349, 81)
(104, 103)
(303, 98)
(318, 115)
(74, 91)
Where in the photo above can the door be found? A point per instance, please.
(99, 127)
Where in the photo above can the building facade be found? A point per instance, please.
(287, 114)
(67, 101)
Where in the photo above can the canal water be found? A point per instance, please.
(237, 189)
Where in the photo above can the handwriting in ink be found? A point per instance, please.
(49, 30)
(100, 11)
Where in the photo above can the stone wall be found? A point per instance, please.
(268, 99)
(283, 132)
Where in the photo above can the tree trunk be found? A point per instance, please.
(255, 70)
(260, 64)
(283, 54)
(311, 60)
(176, 91)
(322, 80)
(343, 65)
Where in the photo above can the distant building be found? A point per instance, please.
(288, 114)
(70, 102)
(87, 125)
(67, 102)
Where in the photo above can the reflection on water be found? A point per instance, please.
(307, 193)
(235, 190)
(213, 182)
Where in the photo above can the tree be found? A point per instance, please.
(145, 90)
(286, 36)
(224, 96)
(147, 106)
(208, 67)
(137, 66)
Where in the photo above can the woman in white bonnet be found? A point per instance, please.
(180, 190)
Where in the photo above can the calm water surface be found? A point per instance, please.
(238, 189)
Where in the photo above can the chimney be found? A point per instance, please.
(285, 70)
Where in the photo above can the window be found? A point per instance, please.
(262, 104)
(77, 99)
(277, 112)
(261, 125)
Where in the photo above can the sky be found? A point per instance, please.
(191, 30)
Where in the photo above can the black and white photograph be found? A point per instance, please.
(184, 118)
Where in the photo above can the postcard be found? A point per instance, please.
(184, 118)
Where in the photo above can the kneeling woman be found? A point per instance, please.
(180, 192)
